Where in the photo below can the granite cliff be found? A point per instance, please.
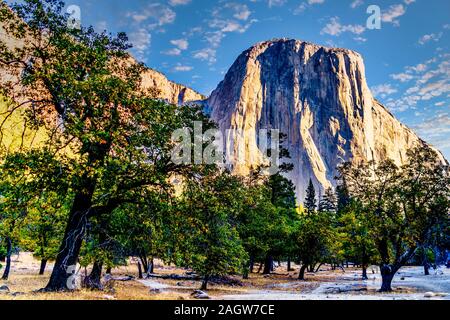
(315, 95)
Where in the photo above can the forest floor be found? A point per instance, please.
(409, 284)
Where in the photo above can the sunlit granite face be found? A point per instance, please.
(315, 95)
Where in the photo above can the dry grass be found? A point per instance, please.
(24, 281)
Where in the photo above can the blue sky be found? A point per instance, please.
(194, 42)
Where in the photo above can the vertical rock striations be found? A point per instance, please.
(319, 98)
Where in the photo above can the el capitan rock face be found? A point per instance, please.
(170, 91)
(319, 98)
(167, 90)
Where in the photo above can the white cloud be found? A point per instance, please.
(430, 37)
(383, 90)
(431, 81)
(172, 52)
(276, 3)
(301, 7)
(207, 54)
(335, 28)
(182, 44)
(312, 2)
(241, 11)
(408, 2)
(356, 3)
(141, 40)
(156, 13)
(392, 13)
(304, 5)
(178, 2)
(435, 130)
(402, 77)
(182, 68)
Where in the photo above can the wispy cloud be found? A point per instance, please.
(230, 17)
(435, 130)
(276, 3)
(178, 2)
(304, 5)
(383, 90)
(172, 52)
(402, 77)
(356, 3)
(392, 13)
(335, 28)
(206, 54)
(141, 40)
(182, 68)
(431, 80)
(430, 37)
(182, 44)
(155, 14)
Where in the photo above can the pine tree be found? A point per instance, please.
(310, 200)
(328, 203)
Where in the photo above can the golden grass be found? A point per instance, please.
(24, 281)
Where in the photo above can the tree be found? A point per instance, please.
(85, 88)
(310, 199)
(328, 202)
(358, 245)
(401, 204)
(44, 225)
(314, 240)
(210, 205)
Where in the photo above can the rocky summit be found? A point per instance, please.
(319, 98)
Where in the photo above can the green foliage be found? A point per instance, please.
(402, 206)
(210, 205)
(315, 239)
(310, 198)
(357, 244)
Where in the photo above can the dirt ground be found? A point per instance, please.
(326, 284)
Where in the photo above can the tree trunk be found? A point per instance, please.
(93, 280)
(387, 274)
(311, 268)
(426, 268)
(260, 267)
(426, 265)
(139, 270)
(289, 267)
(108, 270)
(151, 266)
(42, 268)
(205, 283)
(62, 277)
(252, 264)
(364, 272)
(317, 269)
(8, 259)
(301, 275)
(268, 265)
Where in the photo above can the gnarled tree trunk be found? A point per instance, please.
(62, 277)
(364, 272)
(42, 267)
(387, 275)
(8, 259)
(93, 280)
(139, 270)
(205, 283)
(301, 275)
(268, 264)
